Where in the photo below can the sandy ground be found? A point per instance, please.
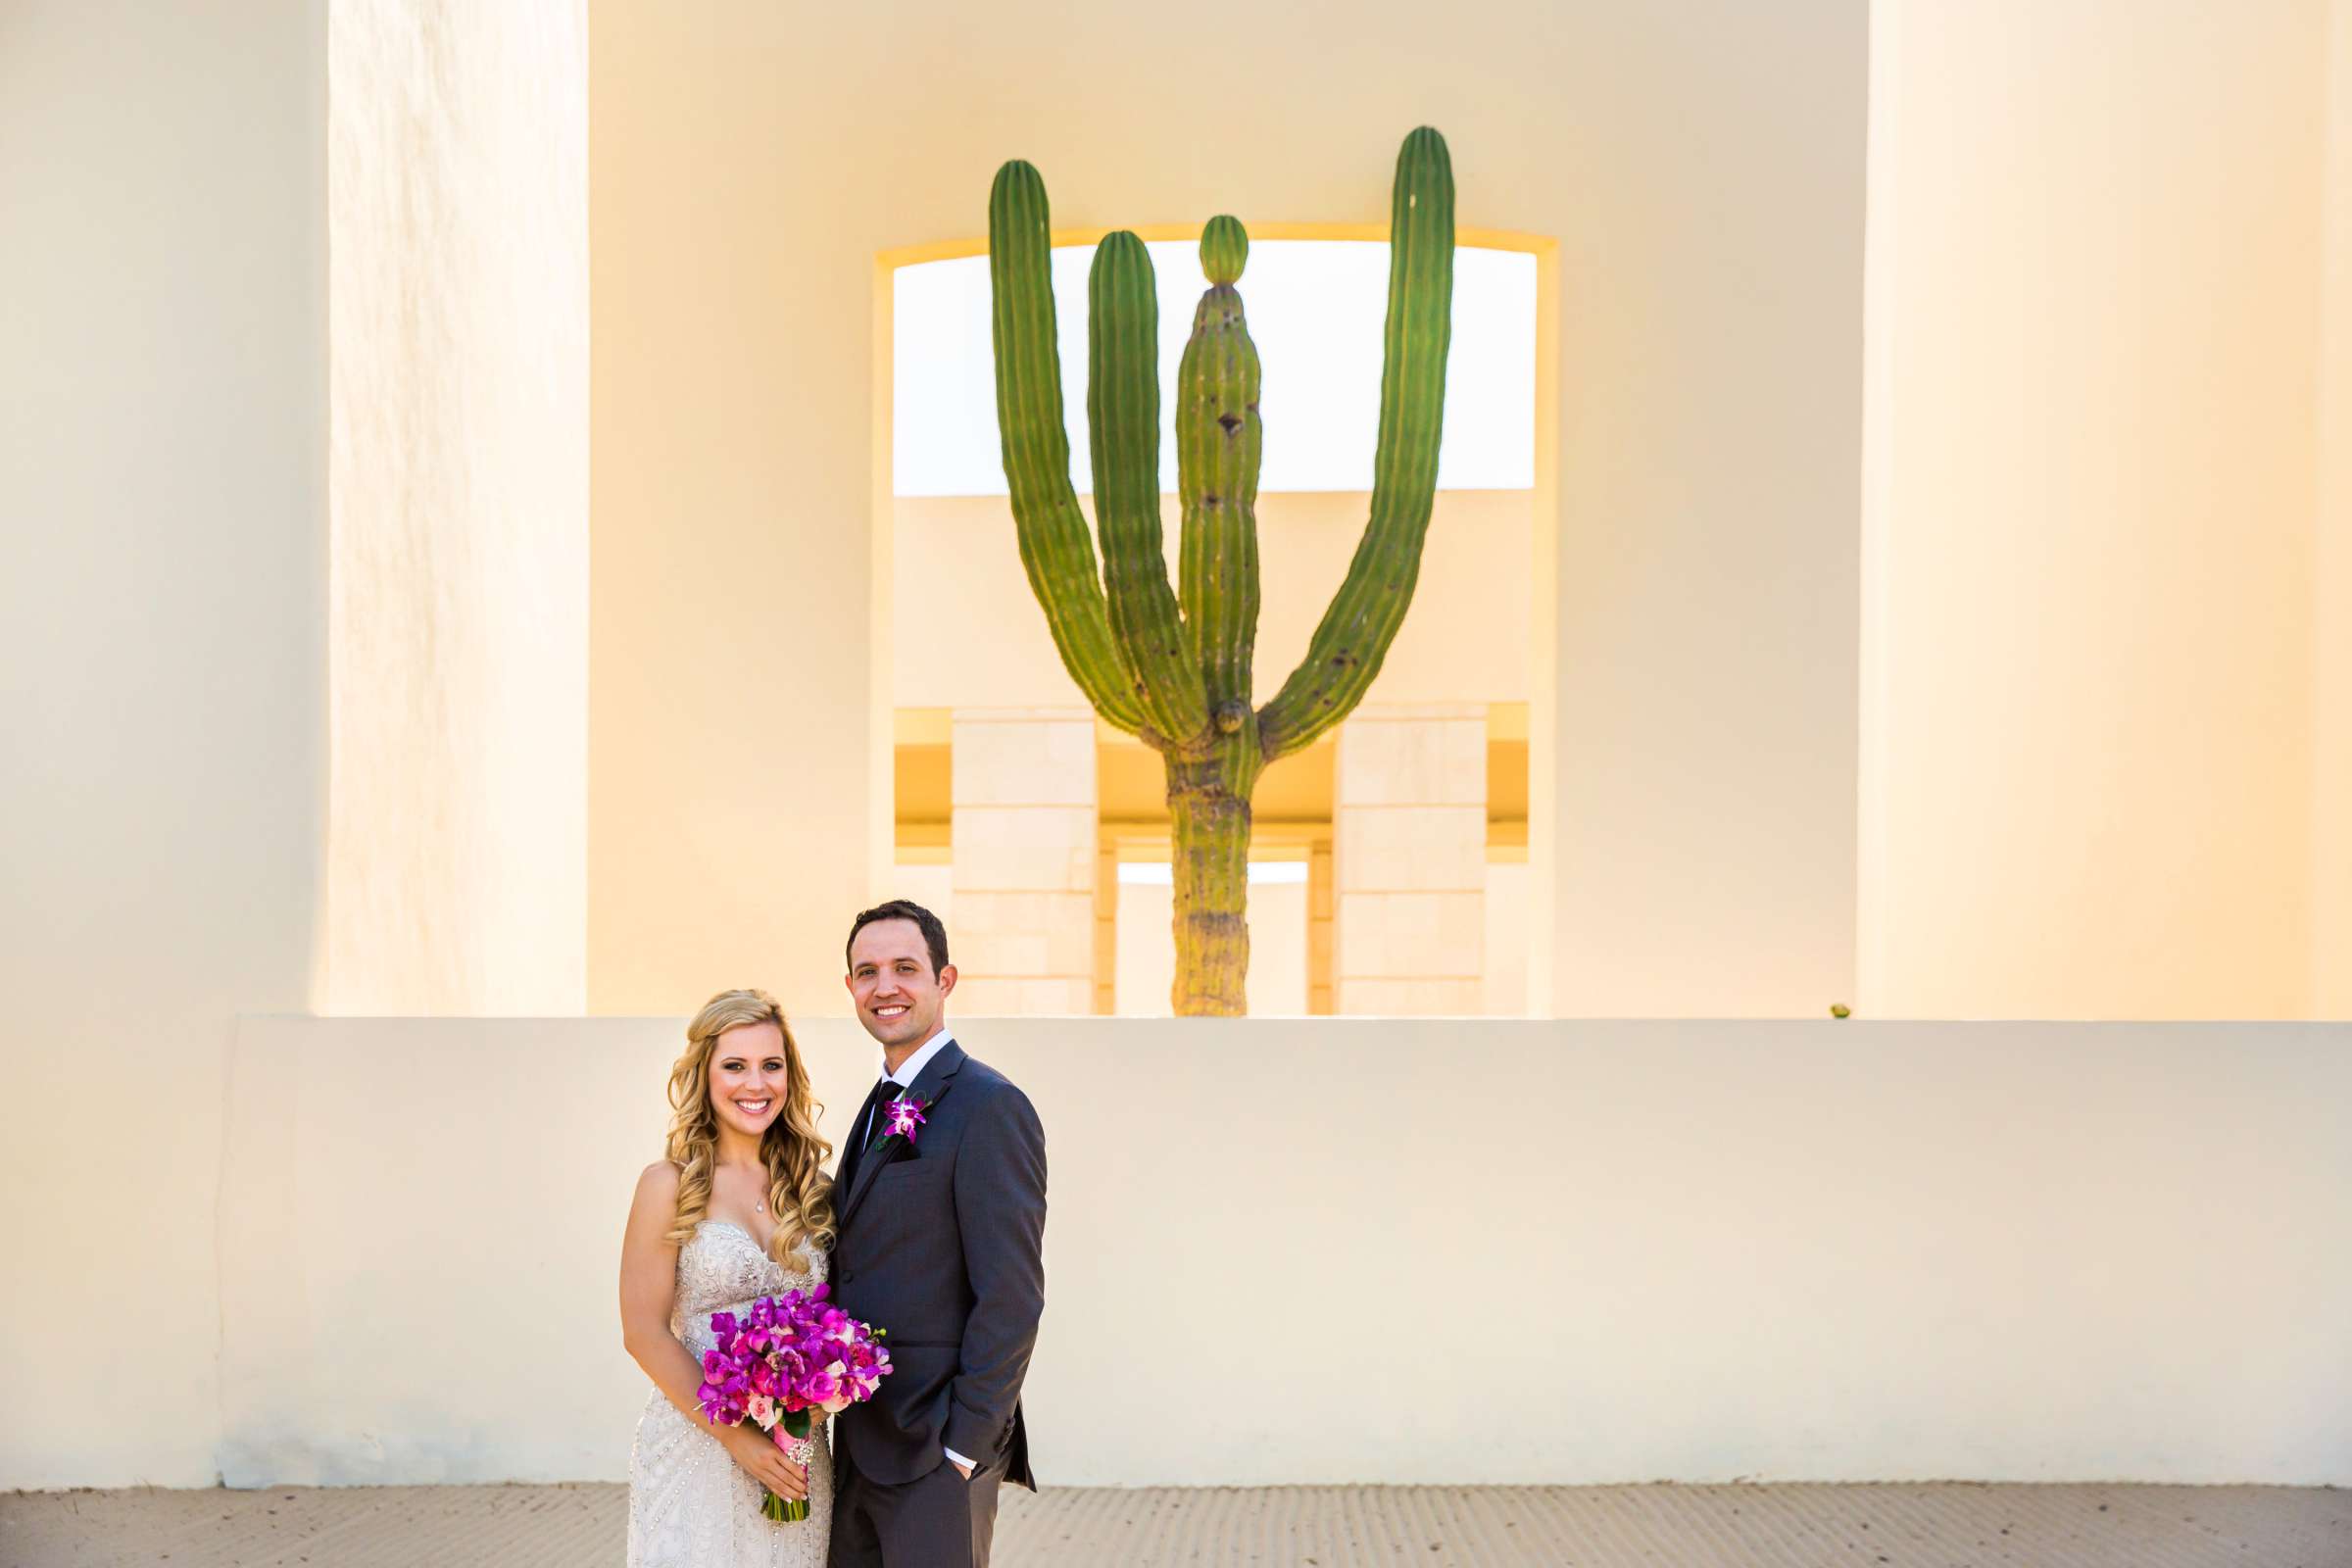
(1941, 1525)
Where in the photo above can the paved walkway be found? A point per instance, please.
(1941, 1526)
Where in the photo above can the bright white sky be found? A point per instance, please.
(1316, 308)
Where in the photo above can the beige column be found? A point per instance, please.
(457, 873)
(1027, 845)
(1107, 924)
(1322, 910)
(1410, 810)
(162, 625)
(2087, 772)
(734, 773)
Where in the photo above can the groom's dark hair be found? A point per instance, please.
(935, 935)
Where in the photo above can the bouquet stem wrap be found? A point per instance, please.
(803, 1452)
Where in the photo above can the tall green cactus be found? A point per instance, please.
(1174, 668)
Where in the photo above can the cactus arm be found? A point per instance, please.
(1218, 443)
(1122, 403)
(1057, 550)
(1355, 632)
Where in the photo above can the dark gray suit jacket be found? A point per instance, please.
(940, 1242)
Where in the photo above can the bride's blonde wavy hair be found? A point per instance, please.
(797, 1194)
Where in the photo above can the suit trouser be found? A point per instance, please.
(938, 1520)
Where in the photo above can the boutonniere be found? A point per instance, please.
(902, 1116)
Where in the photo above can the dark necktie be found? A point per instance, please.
(870, 1116)
(885, 1091)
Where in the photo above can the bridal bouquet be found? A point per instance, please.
(783, 1359)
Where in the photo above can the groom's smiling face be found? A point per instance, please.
(900, 999)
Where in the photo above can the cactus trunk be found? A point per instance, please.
(1208, 807)
(1174, 666)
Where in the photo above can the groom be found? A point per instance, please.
(938, 1236)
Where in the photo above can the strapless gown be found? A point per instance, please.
(690, 1504)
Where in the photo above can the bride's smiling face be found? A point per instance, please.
(749, 1078)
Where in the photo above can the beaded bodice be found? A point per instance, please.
(722, 1269)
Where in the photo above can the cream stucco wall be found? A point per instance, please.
(1702, 169)
(1802, 1250)
(163, 620)
(2331, 559)
(2091, 694)
(457, 243)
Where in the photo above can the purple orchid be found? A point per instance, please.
(902, 1116)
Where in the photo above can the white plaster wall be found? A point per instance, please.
(1802, 1250)
(1701, 167)
(457, 819)
(2089, 686)
(162, 521)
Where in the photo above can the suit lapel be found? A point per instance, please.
(845, 1173)
(930, 1086)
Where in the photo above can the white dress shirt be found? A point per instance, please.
(905, 1078)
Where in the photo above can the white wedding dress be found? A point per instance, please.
(690, 1504)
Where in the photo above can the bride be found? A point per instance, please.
(740, 1209)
